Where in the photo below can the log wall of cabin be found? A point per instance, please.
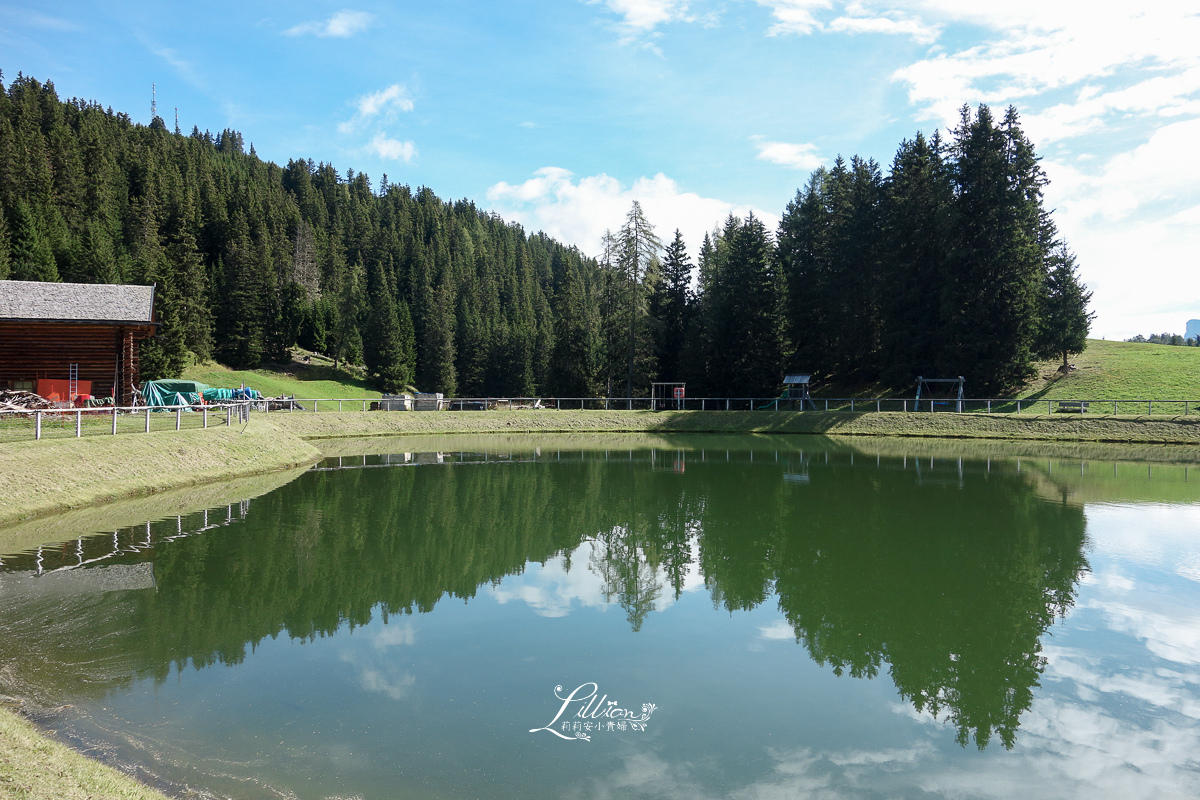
(107, 355)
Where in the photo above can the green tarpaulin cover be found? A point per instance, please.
(172, 393)
(182, 393)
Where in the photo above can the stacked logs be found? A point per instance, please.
(16, 400)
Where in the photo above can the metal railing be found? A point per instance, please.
(995, 405)
(61, 423)
(78, 422)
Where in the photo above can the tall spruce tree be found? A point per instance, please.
(388, 345)
(5, 248)
(1065, 316)
(752, 341)
(917, 221)
(670, 308)
(802, 246)
(575, 362)
(992, 299)
(638, 248)
(31, 258)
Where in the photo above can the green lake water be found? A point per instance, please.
(757, 617)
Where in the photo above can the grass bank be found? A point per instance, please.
(1060, 428)
(33, 767)
(1121, 371)
(51, 476)
(318, 378)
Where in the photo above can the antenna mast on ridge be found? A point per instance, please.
(177, 119)
(153, 102)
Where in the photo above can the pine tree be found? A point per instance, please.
(575, 360)
(97, 258)
(637, 253)
(30, 258)
(991, 301)
(917, 226)
(347, 336)
(753, 339)
(671, 309)
(5, 248)
(1065, 316)
(387, 349)
(802, 248)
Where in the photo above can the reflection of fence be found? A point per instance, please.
(841, 404)
(94, 549)
(110, 421)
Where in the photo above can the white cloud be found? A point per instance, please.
(383, 104)
(796, 156)
(777, 630)
(643, 16)
(1113, 215)
(1039, 47)
(889, 24)
(392, 149)
(1163, 168)
(794, 16)
(578, 211)
(394, 634)
(341, 25)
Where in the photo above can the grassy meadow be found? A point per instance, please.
(1122, 371)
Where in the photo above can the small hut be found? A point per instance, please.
(797, 386)
(67, 340)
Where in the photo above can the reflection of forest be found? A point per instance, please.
(948, 577)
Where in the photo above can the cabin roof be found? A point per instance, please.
(795, 378)
(76, 302)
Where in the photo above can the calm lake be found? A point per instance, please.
(593, 617)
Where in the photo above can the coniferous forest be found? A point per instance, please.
(948, 265)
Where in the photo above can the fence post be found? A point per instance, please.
(114, 431)
(989, 407)
(827, 404)
(1049, 410)
(1149, 406)
(228, 415)
(147, 419)
(204, 414)
(364, 405)
(557, 404)
(78, 423)
(851, 403)
(178, 417)
(339, 405)
(776, 403)
(878, 404)
(905, 406)
(37, 425)
(726, 403)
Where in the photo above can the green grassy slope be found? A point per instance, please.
(319, 380)
(1123, 371)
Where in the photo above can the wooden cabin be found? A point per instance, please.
(73, 338)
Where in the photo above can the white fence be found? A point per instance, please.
(109, 420)
(838, 404)
(76, 422)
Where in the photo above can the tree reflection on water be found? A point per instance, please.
(947, 580)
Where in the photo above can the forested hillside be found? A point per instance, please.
(949, 265)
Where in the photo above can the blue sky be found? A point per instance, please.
(557, 113)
